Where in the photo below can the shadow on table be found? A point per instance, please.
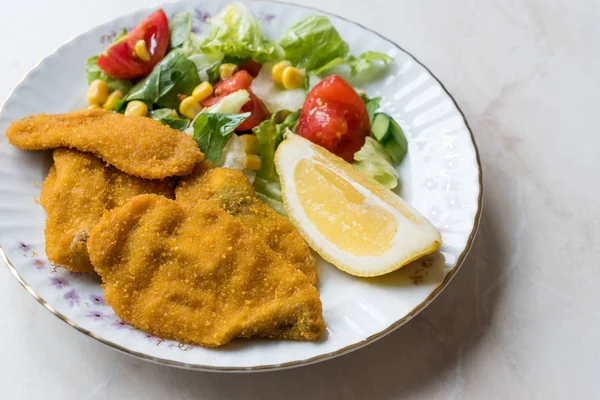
(429, 350)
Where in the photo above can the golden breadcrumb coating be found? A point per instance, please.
(191, 271)
(78, 189)
(139, 146)
(235, 195)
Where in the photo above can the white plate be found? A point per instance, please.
(441, 178)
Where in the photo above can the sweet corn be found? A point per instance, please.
(227, 70)
(97, 92)
(136, 108)
(189, 107)
(111, 100)
(202, 91)
(292, 78)
(277, 70)
(253, 162)
(141, 51)
(250, 143)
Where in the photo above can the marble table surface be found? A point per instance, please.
(517, 322)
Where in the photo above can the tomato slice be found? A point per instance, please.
(119, 60)
(335, 117)
(252, 67)
(240, 80)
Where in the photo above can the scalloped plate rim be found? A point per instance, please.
(271, 367)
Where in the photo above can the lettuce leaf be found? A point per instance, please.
(121, 35)
(270, 134)
(315, 45)
(230, 104)
(360, 65)
(169, 117)
(95, 72)
(270, 193)
(266, 134)
(173, 75)
(312, 43)
(373, 160)
(274, 96)
(372, 105)
(212, 132)
(180, 27)
(207, 65)
(236, 33)
(366, 62)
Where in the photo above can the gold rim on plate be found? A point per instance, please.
(308, 361)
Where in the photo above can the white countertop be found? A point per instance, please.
(517, 322)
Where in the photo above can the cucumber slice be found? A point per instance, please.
(396, 151)
(381, 128)
(398, 134)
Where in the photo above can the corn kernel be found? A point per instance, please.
(292, 78)
(202, 91)
(136, 108)
(97, 92)
(227, 70)
(141, 51)
(189, 107)
(93, 106)
(253, 162)
(277, 70)
(250, 143)
(111, 100)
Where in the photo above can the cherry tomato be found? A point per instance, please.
(240, 80)
(335, 117)
(252, 67)
(119, 60)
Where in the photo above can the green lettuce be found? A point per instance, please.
(212, 132)
(312, 43)
(180, 27)
(266, 133)
(373, 160)
(95, 72)
(366, 62)
(121, 35)
(169, 117)
(360, 65)
(236, 33)
(270, 134)
(230, 104)
(372, 105)
(173, 75)
(315, 45)
(270, 193)
(207, 65)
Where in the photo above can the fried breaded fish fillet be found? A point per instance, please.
(139, 146)
(193, 272)
(235, 195)
(75, 194)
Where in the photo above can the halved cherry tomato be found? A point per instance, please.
(120, 61)
(252, 67)
(335, 117)
(240, 80)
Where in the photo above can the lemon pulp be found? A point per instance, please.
(341, 213)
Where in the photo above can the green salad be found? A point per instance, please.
(238, 92)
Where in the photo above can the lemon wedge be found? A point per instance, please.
(351, 220)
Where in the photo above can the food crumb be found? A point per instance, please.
(36, 200)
